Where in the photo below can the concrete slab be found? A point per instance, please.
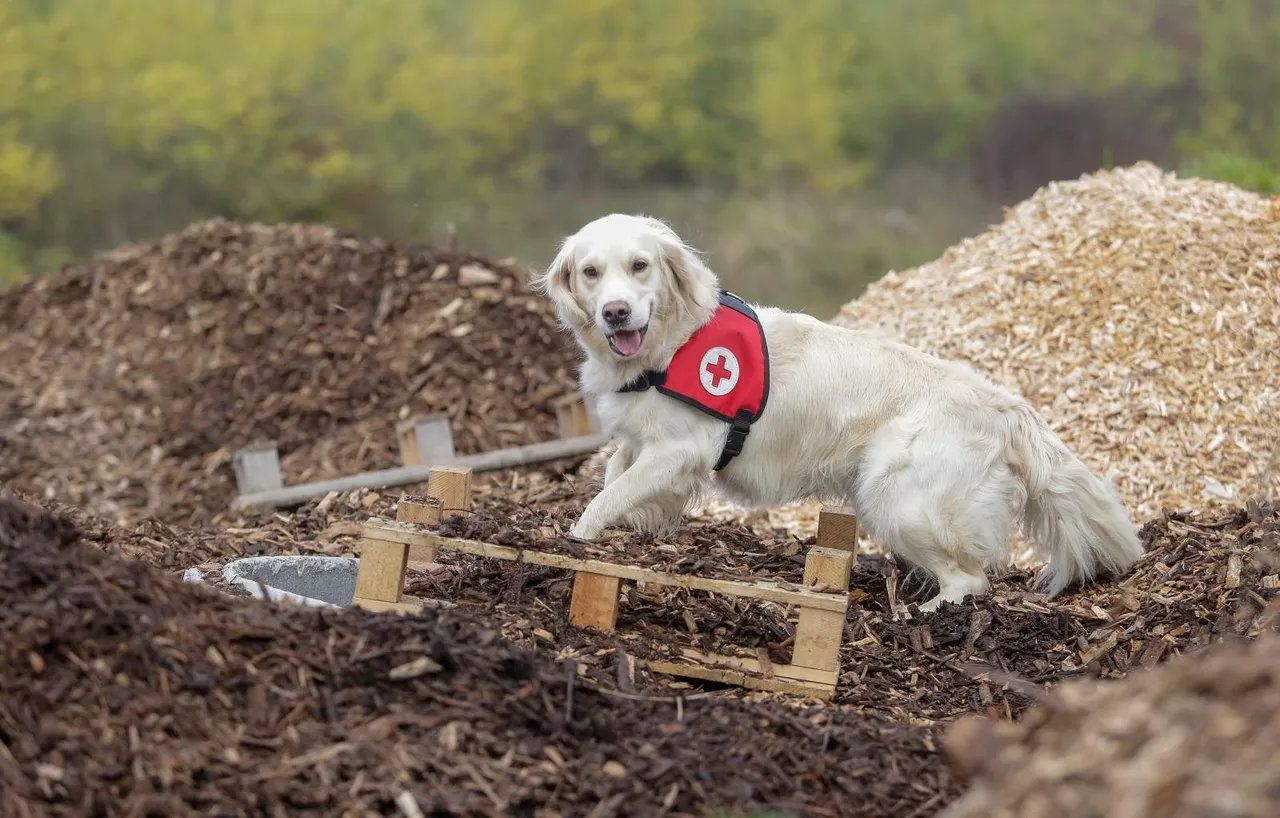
(317, 581)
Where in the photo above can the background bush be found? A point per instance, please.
(836, 138)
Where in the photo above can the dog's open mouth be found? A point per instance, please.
(626, 342)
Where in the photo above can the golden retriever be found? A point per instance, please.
(937, 461)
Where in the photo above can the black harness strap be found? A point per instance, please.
(738, 430)
(648, 379)
(737, 437)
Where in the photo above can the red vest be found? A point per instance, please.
(723, 370)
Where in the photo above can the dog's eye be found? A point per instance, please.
(589, 271)
(639, 264)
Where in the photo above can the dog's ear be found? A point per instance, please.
(556, 283)
(696, 285)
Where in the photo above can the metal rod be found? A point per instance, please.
(405, 475)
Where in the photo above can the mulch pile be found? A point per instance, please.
(1196, 737)
(126, 691)
(130, 380)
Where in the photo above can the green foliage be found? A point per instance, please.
(128, 117)
(12, 265)
(1241, 171)
(1237, 69)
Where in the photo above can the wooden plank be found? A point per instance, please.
(382, 568)
(407, 475)
(741, 679)
(257, 468)
(451, 485)
(828, 567)
(419, 511)
(594, 603)
(381, 606)
(413, 510)
(759, 589)
(426, 439)
(780, 685)
(696, 671)
(838, 528)
(751, 664)
(819, 633)
(406, 605)
(818, 637)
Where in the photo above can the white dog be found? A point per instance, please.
(937, 462)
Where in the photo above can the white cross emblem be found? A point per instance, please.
(718, 371)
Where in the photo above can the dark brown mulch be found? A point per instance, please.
(1198, 736)
(1204, 580)
(126, 692)
(714, 550)
(130, 380)
(991, 655)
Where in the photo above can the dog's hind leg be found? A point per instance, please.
(937, 504)
(917, 537)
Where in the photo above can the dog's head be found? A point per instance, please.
(629, 288)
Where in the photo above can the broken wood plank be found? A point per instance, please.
(418, 510)
(380, 606)
(751, 664)
(406, 475)
(745, 672)
(406, 605)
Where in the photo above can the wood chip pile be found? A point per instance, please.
(129, 381)
(1139, 312)
(127, 692)
(1196, 737)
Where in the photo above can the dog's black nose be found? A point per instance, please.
(616, 312)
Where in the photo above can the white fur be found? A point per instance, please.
(938, 462)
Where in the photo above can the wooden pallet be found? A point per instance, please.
(425, 442)
(822, 601)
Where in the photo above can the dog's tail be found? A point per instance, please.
(1070, 515)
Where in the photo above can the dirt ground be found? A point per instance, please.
(273, 707)
(128, 692)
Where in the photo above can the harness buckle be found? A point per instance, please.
(733, 444)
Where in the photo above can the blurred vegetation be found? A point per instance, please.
(771, 133)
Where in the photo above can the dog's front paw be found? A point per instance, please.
(581, 531)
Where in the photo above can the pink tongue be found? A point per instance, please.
(627, 341)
